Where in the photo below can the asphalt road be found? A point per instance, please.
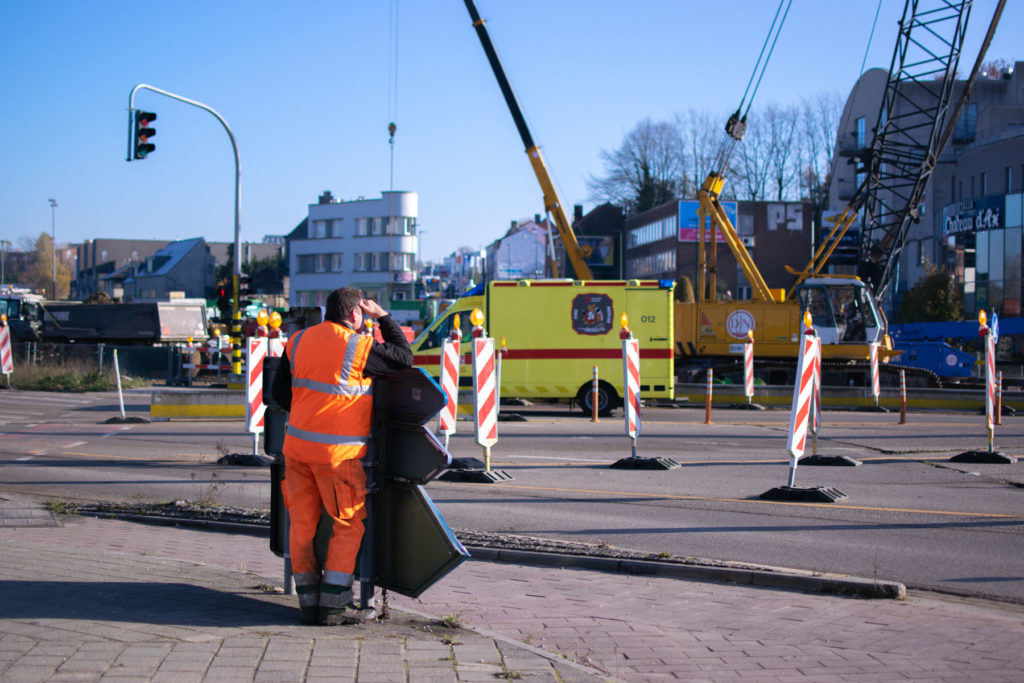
(910, 514)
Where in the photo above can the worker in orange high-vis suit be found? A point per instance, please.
(324, 380)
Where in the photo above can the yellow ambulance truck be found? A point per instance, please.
(556, 331)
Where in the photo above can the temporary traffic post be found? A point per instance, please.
(6, 355)
(748, 368)
(256, 351)
(451, 358)
(990, 378)
(875, 388)
(707, 396)
(631, 402)
(903, 397)
(485, 390)
(998, 413)
(631, 382)
(989, 336)
(594, 385)
(802, 418)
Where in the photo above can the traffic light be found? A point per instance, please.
(143, 132)
(244, 285)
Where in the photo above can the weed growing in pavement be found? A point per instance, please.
(663, 555)
(221, 448)
(61, 507)
(448, 639)
(452, 620)
(208, 499)
(508, 674)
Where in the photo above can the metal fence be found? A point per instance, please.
(150, 362)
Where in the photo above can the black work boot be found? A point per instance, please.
(307, 587)
(336, 606)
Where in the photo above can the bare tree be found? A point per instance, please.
(704, 142)
(819, 121)
(645, 171)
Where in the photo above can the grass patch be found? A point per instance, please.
(61, 507)
(74, 376)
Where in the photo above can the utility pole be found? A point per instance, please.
(53, 244)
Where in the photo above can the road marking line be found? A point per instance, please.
(669, 496)
(27, 457)
(77, 443)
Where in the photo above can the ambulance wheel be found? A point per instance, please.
(607, 399)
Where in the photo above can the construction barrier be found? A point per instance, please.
(876, 389)
(6, 354)
(748, 369)
(197, 404)
(485, 408)
(990, 381)
(450, 360)
(999, 398)
(255, 352)
(631, 387)
(803, 400)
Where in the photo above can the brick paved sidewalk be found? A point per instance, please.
(630, 627)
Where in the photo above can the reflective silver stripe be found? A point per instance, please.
(295, 347)
(350, 356)
(330, 439)
(337, 389)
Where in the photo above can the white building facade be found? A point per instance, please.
(368, 244)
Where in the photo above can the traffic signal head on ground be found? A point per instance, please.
(143, 133)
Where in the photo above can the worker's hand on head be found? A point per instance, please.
(372, 309)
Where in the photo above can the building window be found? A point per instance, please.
(401, 261)
(321, 263)
(336, 263)
(400, 225)
(306, 263)
(652, 264)
(861, 133)
(1007, 178)
(319, 230)
(653, 232)
(362, 227)
(376, 226)
(360, 261)
(336, 227)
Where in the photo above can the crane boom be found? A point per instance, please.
(552, 204)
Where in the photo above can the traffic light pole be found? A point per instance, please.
(236, 319)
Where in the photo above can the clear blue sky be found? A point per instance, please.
(309, 88)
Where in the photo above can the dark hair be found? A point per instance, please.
(340, 304)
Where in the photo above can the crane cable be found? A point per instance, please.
(737, 124)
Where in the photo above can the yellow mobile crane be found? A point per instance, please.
(845, 308)
(552, 204)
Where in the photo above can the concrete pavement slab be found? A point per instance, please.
(624, 626)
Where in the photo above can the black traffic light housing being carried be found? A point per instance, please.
(142, 133)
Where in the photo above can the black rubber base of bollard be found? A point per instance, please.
(466, 464)
(804, 494)
(133, 419)
(644, 464)
(995, 457)
(830, 461)
(476, 476)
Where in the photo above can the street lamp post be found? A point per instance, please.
(3, 259)
(53, 243)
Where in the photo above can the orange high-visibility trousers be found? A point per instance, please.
(341, 490)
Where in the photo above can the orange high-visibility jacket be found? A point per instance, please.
(332, 404)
